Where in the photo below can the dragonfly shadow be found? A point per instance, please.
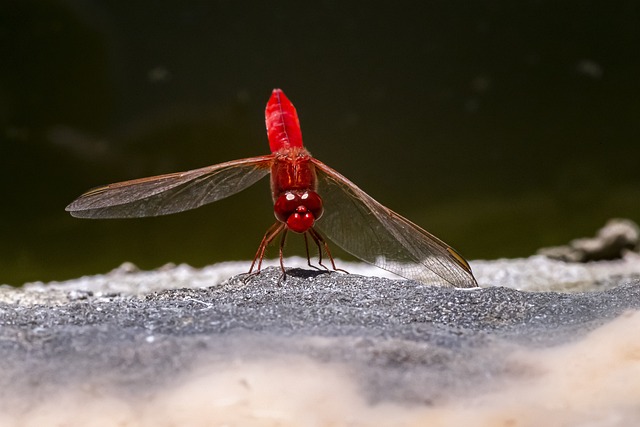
(305, 273)
(275, 273)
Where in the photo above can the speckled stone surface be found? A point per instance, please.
(402, 340)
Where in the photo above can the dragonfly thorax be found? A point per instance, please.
(298, 209)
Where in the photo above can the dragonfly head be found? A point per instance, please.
(298, 209)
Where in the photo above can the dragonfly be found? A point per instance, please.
(310, 198)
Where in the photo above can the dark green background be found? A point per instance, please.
(500, 126)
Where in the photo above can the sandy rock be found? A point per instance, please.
(613, 241)
(185, 346)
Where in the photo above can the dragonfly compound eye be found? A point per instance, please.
(298, 211)
(313, 203)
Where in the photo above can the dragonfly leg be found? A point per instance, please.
(271, 233)
(283, 276)
(306, 246)
(322, 243)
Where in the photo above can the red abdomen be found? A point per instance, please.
(283, 127)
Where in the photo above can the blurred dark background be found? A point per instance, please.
(499, 126)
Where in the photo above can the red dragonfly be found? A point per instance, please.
(344, 213)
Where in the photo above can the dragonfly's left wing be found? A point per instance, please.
(374, 233)
(170, 193)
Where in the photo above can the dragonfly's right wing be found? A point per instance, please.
(171, 193)
(374, 233)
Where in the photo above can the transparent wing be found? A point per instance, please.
(170, 193)
(366, 229)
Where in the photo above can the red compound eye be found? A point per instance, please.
(285, 205)
(298, 211)
(313, 203)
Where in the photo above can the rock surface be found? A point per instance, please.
(182, 346)
(612, 241)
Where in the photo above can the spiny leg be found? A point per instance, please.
(306, 246)
(282, 240)
(271, 233)
(317, 237)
